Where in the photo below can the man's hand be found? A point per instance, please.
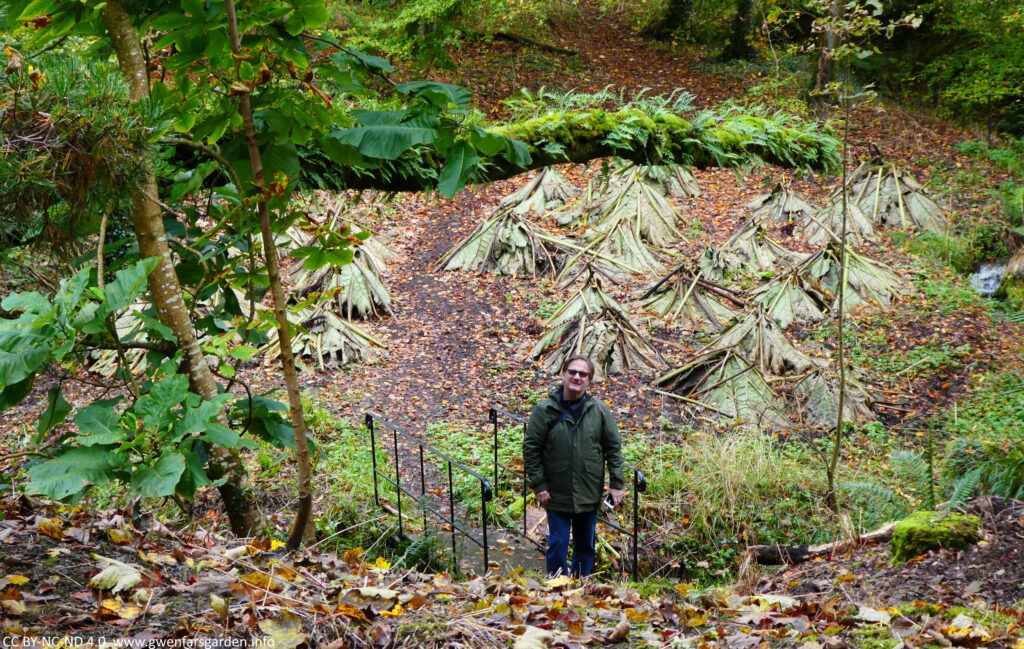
(543, 497)
(616, 495)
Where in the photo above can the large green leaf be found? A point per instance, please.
(99, 423)
(384, 142)
(56, 411)
(11, 395)
(71, 472)
(155, 408)
(438, 94)
(201, 416)
(305, 14)
(22, 353)
(461, 164)
(129, 283)
(160, 479)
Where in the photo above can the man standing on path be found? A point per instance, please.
(570, 437)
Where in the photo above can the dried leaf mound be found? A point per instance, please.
(546, 191)
(748, 252)
(356, 288)
(592, 323)
(891, 197)
(781, 205)
(684, 298)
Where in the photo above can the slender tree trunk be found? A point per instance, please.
(826, 62)
(739, 46)
(163, 282)
(303, 520)
(837, 435)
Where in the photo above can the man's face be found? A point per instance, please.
(575, 380)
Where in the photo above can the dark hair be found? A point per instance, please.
(578, 357)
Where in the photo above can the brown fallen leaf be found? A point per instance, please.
(621, 631)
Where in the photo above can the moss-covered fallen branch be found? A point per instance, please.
(725, 137)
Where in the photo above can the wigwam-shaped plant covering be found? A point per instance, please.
(782, 205)
(635, 204)
(672, 180)
(818, 394)
(592, 323)
(748, 252)
(867, 281)
(727, 384)
(683, 296)
(355, 288)
(546, 191)
(760, 341)
(893, 198)
(824, 227)
(325, 337)
(792, 298)
(505, 244)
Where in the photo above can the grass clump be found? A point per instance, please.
(717, 488)
(344, 471)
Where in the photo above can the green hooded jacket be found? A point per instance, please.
(567, 458)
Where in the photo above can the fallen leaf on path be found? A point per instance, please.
(283, 633)
(115, 576)
(533, 638)
(621, 631)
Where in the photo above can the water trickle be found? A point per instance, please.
(986, 280)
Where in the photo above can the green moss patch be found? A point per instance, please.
(924, 531)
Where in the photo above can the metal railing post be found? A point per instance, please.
(451, 514)
(398, 485)
(423, 490)
(485, 496)
(636, 509)
(368, 420)
(494, 420)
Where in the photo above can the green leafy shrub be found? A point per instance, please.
(977, 63)
(157, 441)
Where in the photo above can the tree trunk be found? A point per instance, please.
(826, 63)
(739, 46)
(677, 18)
(163, 282)
(303, 525)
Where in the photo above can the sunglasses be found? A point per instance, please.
(582, 373)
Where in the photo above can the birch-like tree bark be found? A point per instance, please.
(164, 288)
(303, 525)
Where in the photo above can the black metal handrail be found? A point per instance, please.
(486, 493)
(639, 486)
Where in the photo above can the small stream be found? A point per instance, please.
(987, 278)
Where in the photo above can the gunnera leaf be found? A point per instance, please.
(357, 287)
(326, 338)
(546, 191)
(728, 385)
(781, 205)
(748, 252)
(672, 180)
(824, 227)
(791, 298)
(684, 298)
(891, 197)
(818, 395)
(505, 244)
(591, 322)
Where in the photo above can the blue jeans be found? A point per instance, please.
(583, 552)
